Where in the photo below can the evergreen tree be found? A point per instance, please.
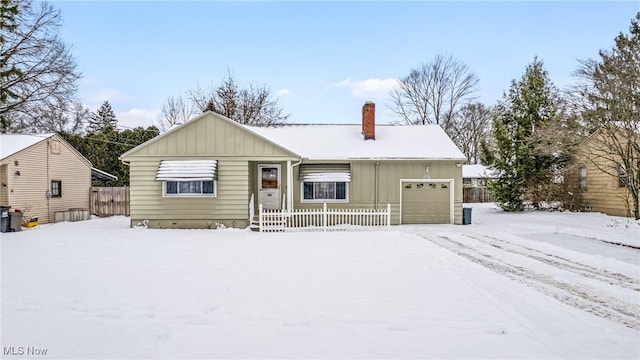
(524, 153)
(103, 148)
(103, 119)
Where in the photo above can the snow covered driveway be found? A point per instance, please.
(507, 286)
(516, 245)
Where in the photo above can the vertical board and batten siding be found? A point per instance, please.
(38, 166)
(363, 184)
(208, 137)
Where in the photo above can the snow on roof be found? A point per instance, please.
(12, 143)
(477, 171)
(337, 142)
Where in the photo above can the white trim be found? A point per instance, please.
(328, 201)
(323, 219)
(451, 194)
(289, 186)
(164, 190)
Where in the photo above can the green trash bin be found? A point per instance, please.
(466, 216)
(4, 218)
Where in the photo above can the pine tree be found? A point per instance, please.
(103, 119)
(523, 154)
(102, 149)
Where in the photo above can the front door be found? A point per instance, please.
(269, 186)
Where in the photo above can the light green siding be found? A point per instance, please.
(207, 137)
(239, 152)
(229, 206)
(362, 189)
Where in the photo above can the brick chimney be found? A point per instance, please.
(369, 120)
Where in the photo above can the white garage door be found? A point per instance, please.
(425, 202)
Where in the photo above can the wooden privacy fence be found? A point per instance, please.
(476, 195)
(323, 219)
(109, 201)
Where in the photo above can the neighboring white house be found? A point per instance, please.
(476, 175)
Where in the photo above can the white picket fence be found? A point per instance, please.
(323, 219)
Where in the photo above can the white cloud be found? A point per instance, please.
(101, 95)
(367, 89)
(138, 117)
(283, 92)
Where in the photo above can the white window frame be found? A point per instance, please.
(582, 179)
(215, 190)
(623, 177)
(342, 201)
(57, 194)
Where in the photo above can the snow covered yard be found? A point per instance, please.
(507, 286)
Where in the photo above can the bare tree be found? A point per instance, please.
(434, 92)
(471, 125)
(175, 111)
(45, 72)
(67, 118)
(610, 87)
(252, 106)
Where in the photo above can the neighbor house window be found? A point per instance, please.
(481, 182)
(466, 181)
(583, 177)
(190, 188)
(56, 188)
(323, 191)
(623, 177)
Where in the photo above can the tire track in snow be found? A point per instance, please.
(587, 271)
(582, 298)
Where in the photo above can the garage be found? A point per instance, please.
(426, 202)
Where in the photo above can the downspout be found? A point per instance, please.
(290, 201)
(375, 181)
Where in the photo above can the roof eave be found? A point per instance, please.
(384, 158)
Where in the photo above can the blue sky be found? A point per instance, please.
(324, 59)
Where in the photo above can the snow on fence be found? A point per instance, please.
(323, 219)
